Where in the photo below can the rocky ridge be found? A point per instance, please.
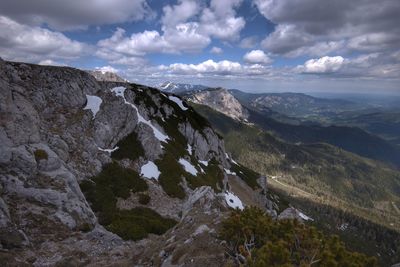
(180, 88)
(220, 100)
(59, 127)
(106, 76)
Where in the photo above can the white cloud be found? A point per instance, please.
(50, 62)
(21, 42)
(330, 26)
(183, 37)
(285, 39)
(66, 15)
(248, 42)
(107, 69)
(223, 67)
(220, 21)
(257, 56)
(216, 50)
(179, 13)
(187, 27)
(322, 65)
(373, 41)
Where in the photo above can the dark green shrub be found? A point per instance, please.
(135, 224)
(213, 176)
(144, 199)
(129, 147)
(284, 242)
(40, 154)
(117, 182)
(247, 175)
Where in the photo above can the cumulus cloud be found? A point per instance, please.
(248, 42)
(107, 69)
(21, 42)
(285, 39)
(220, 21)
(374, 41)
(75, 14)
(223, 67)
(50, 62)
(216, 50)
(183, 37)
(187, 27)
(257, 57)
(179, 13)
(322, 65)
(346, 26)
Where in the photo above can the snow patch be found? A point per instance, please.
(108, 150)
(229, 172)
(120, 91)
(93, 103)
(343, 226)
(188, 166)
(305, 217)
(233, 201)
(204, 162)
(189, 149)
(202, 229)
(178, 101)
(150, 170)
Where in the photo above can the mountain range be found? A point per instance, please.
(97, 171)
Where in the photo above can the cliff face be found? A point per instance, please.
(105, 76)
(222, 101)
(60, 129)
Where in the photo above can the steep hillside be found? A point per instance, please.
(348, 138)
(317, 171)
(89, 167)
(384, 124)
(291, 130)
(180, 88)
(296, 104)
(221, 100)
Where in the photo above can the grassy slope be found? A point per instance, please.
(330, 175)
(349, 138)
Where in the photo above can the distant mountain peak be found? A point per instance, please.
(221, 100)
(180, 88)
(106, 76)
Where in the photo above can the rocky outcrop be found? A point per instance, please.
(106, 76)
(221, 100)
(58, 126)
(180, 88)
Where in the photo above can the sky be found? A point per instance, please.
(252, 45)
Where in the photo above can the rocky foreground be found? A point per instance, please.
(59, 127)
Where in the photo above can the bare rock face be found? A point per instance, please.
(206, 143)
(58, 126)
(53, 136)
(106, 76)
(221, 100)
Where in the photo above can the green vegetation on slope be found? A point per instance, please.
(249, 176)
(129, 147)
(171, 170)
(115, 182)
(330, 174)
(358, 234)
(40, 154)
(262, 241)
